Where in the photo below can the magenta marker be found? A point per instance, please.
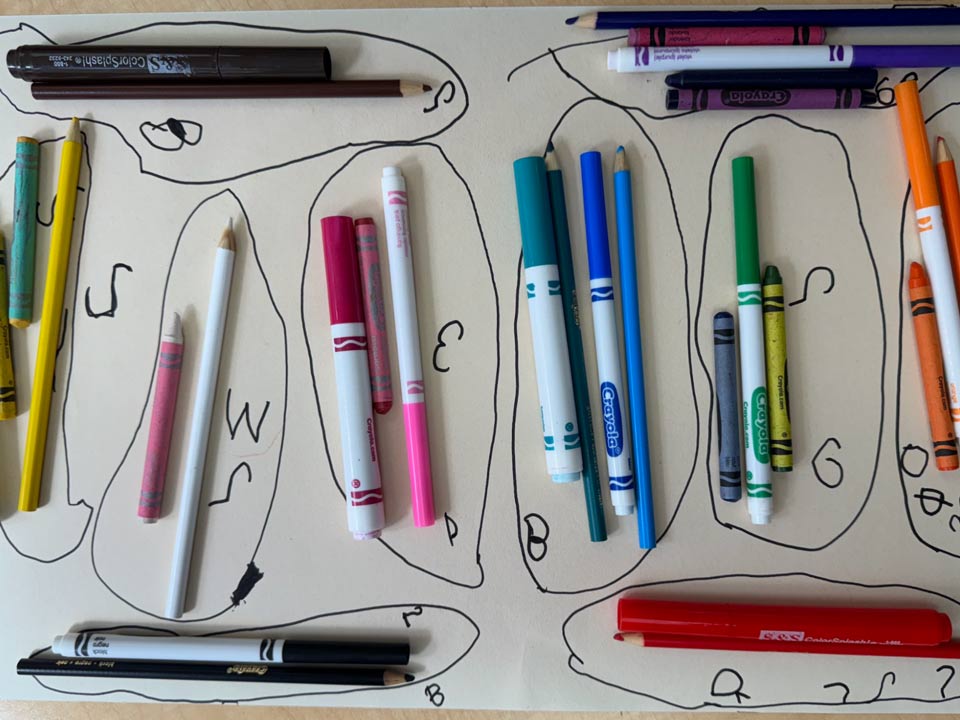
(361, 469)
(686, 36)
(169, 363)
(375, 315)
(770, 99)
(412, 387)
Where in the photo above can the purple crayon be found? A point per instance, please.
(770, 99)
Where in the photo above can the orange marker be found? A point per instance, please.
(933, 237)
(950, 197)
(931, 368)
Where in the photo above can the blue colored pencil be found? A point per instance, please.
(623, 189)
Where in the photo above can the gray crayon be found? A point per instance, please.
(728, 415)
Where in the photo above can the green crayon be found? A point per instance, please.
(23, 250)
(775, 351)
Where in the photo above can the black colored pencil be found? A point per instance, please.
(217, 672)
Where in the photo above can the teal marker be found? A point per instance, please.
(558, 415)
(752, 365)
(23, 250)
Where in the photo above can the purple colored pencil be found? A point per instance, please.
(770, 98)
(161, 421)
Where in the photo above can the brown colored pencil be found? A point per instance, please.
(181, 90)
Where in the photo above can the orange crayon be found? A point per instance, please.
(950, 201)
(931, 368)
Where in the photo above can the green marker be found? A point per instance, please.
(23, 250)
(752, 366)
(571, 316)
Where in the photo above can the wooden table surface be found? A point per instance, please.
(129, 711)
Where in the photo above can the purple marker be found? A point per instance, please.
(770, 98)
(781, 57)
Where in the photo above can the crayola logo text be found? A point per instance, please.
(612, 422)
(758, 417)
(755, 98)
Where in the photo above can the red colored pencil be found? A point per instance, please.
(950, 650)
(883, 626)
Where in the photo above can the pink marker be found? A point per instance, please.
(376, 321)
(361, 470)
(701, 36)
(161, 421)
(408, 344)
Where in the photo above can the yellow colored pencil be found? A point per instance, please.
(8, 384)
(57, 267)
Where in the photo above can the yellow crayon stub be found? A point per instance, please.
(8, 385)
(778, 389)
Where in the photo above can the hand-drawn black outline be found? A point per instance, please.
(244, 414)
(174, 126)
(53, 203)
(893, 681)
(943, 688)
(882, 334)
(816, 469)
(899, 376)
(233, 474)
(416, 612)
(255, 256)
(496, 381)
(447, 521)
(738, 693)
(846, 690)
(441, 344)
(112, 311)
(446, 100)
(806, 284)
(371, 144)
(536, 539)
(66, 392)
(903, 456)
(576, 665)
(265, 628)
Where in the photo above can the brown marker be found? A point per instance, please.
(83, 63)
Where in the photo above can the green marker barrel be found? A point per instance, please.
(753, 381)
(23, 250)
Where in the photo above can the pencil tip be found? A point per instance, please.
(408, 677)
(618, 637)
(228, 240)
(550, 146)
(943, 151)
(572, 20)
(73, 132)
(427, 88)
(620, 149)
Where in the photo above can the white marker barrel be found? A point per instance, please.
(561, 437)
(729, 57)
(187, 649)
(753, 383)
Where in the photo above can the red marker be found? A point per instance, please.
(883, 626)
(361, 469)
(376, 320)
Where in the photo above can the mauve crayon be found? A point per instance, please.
(374, 315)
(863, 78)
(770, 98)
(687, 36)
(70, 63)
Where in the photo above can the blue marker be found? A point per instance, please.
(623, 188)
(606, 337)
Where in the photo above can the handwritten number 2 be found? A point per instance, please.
(407, 615)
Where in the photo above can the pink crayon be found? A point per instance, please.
(701, 36)
(374, 315)
(161, 421)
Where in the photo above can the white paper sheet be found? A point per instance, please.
(506, 602)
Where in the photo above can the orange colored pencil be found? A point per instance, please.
(931, 368)
(950, 203)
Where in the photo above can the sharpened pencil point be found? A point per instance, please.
(395, 678)
(620, 161)
(408, 677)
(618, 637)
(549, 145)
(550, 159)
(73, 132)
(228, 240)
(943, 151)
(571, 20)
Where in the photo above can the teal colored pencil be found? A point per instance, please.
(571, 316)
(23, 250)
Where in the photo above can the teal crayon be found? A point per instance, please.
(23, 250)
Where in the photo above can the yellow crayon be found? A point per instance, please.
(778, 389)
(8, 385)
(57, 266)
